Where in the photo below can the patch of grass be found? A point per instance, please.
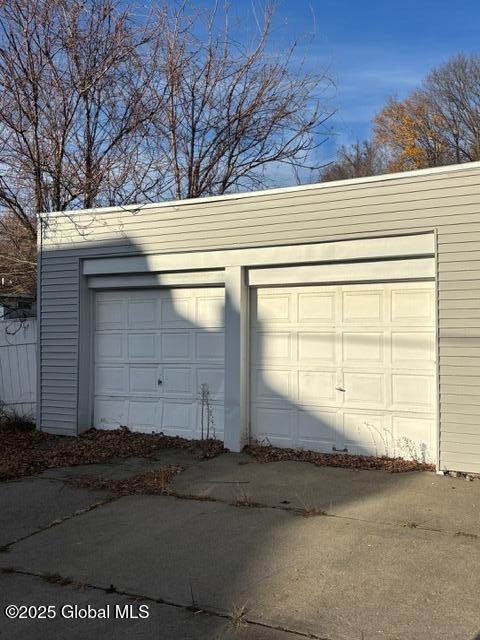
(409, 525)
(193, 496)
(237, 618)
(91, 507)
(151, 483)
(465, 534)
(55, 578)
(137, 599)
(244, 500)
(311, 512)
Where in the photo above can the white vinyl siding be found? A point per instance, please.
(59, 312)
(447, 202)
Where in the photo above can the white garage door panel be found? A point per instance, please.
(141, 346)
(153, 351)
(314, 427)
(110, 413)
(345, 368)
(278, 424)
(315, 386)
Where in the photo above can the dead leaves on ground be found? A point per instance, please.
(267, 453)
(150, 483)
(26, 453)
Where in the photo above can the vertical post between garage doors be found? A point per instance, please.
(237, 322)
(409, 257)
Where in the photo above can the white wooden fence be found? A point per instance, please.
(18, 365)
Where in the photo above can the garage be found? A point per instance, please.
(345, 368)
(153, 351)
(338, 317)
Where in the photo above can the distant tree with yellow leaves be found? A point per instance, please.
(438, 124)
(411, 131)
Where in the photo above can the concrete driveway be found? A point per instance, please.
(244, 550)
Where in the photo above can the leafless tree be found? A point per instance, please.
(103, 106)
(234, 111)
(72, 97)
(17, 256)
(454, 92)
(357, 160)
(73, 108)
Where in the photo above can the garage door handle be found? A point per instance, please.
(339, 388)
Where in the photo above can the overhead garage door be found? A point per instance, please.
(348, 368)
(154, 349)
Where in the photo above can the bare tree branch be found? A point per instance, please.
(100, 105)
(233, 110)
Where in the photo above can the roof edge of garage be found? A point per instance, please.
(466, 166)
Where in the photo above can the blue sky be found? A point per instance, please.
(374, 49)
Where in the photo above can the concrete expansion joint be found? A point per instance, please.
(307, 512)
(193, 608)
(246, 503)
(55, 523)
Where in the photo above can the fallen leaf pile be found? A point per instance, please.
(27, 452)
(24, 453)
(152, 483)
(267, 453)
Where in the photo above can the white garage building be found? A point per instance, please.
(342, 316)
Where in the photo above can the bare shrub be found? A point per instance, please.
(12, 420)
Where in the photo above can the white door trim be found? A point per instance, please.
(237, 323)
(378, 271)
(407, 257)
(153, 280)
(400, 246)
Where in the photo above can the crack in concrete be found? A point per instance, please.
(55, 523)
(171, 493)
(298, 511)
(61, 581)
